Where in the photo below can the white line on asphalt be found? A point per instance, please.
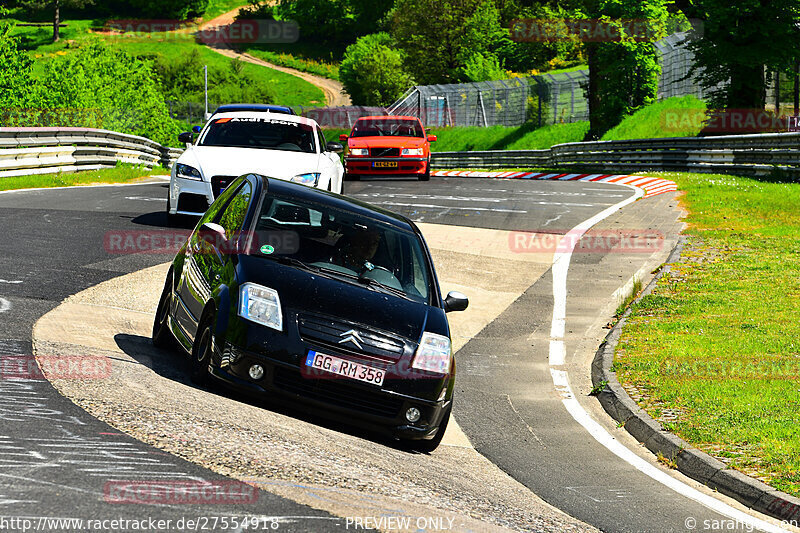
(431, 206)
(5, 305)
(561, 262)
(38, 189)
(145, 199)
(11, 282)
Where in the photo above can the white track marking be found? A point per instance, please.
(11, 282)
(561, 262)
(5, 305)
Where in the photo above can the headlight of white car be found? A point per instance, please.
(185, 171)
(311, 179)
(359, 151)
(261, 305)
(433, 354)
(412, 151)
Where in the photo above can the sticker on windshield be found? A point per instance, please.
(267, 249)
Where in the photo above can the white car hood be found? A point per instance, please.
(226, 161)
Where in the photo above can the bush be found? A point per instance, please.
(182, 81)
(103, 87)
(372, 71)
(15, 72)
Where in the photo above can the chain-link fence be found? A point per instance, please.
(543, 99)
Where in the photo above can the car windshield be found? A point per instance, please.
(342, 244)
(387, 128)
(260, 132)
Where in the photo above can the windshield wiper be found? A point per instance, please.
(286, 260)
(363, 280)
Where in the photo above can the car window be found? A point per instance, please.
(387, 128)
(259, 132)
(233, 216)
(357, 248)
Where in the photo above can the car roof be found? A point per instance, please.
(304, 192)
(261, 108)
(260, 114)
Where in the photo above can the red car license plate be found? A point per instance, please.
(384, 164)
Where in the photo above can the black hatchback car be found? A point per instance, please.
(287, 291)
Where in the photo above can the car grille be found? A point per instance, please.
(219, 183)
(384, 152)
(335, 393)
(329, 332)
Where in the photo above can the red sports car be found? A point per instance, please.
(388, 146)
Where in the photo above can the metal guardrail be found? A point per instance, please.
(756, 154)
(25, 151)
(48, 150)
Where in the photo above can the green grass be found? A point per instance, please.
(219, 7)
(673, 117)
(289, 90)
(717, 342)
(524, 137)
(285, 59)
(122, 173)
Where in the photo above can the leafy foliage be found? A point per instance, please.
(739, 39)
(177, 9)
(623, 75)
(182, 80)
(372, 71)
(15, 71)
(96, 87)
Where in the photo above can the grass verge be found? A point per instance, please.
(119, 174)
(713, 352)
(672, 117)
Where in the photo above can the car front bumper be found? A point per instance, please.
(405, 166)
(352, 402)
(187, 197)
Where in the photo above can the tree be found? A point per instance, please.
(56, 6)
(372, 71)
(740, 39)
(624, 73)
(326, 20)
(440, 36)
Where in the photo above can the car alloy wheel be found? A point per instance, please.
(202, 350)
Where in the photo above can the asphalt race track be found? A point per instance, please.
(56, 460)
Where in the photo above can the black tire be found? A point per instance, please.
(427, 446)
(427, 175)
(162, 336)
(202, 350)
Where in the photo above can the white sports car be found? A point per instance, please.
(278, 145)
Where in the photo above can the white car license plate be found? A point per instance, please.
(340, 367)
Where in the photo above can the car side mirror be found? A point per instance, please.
(213, 231)
(196, 129)
(334, 147)
(186, 137)
(455, 301)
(343, 137)
(432, 138)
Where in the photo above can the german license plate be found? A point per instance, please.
(328, 364)
(384, 164)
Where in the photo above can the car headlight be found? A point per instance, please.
(260, 305)
(185, 171)
(311, 179)
(433, 354)
(411, 151)
(359, 151)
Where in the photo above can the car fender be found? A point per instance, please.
(223, 303)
